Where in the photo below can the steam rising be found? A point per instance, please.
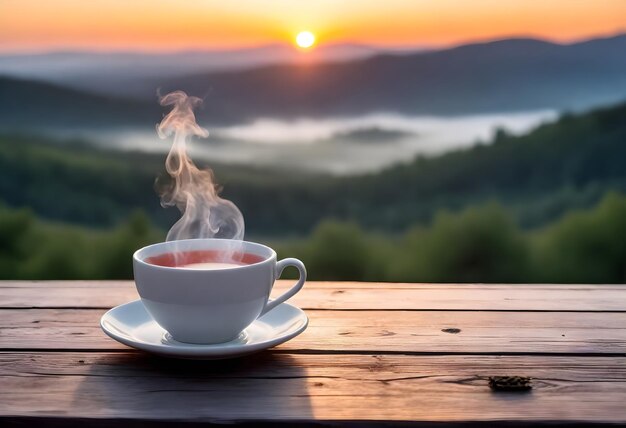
(193, 191)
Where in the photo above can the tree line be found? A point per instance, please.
(478, 244)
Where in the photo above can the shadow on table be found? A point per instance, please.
(140, 386)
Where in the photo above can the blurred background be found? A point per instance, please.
(440, 141)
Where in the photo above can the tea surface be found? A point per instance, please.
(212, 265)
(204, 259)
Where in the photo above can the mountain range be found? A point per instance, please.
(498, 76)
(507, 75)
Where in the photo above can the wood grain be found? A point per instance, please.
(347, 296)
(304, 387)
(375, 353)
(364, 331)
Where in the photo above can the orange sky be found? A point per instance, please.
(192, 24)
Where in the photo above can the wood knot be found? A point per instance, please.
(378, 365)
(451, 330)
(510, 383)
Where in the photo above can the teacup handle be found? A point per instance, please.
(280, 266)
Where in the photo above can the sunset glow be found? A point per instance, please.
(209, 24)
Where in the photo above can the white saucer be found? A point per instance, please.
(131, 325)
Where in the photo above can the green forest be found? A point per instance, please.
(478, 244)
(548, 206)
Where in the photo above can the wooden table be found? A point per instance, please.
(373, 354)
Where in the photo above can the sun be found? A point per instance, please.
(305, 39)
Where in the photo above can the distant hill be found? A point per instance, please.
(557, 167)
(28, 105)
(507, 75)
(566, 165)
(127, 74)
(371, 135)
(71, 181)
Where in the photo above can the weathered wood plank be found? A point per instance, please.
(364, 331)
(347, 296)
(305, 387)
(314, 284)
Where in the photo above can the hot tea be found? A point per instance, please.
(209, 290)
(204, 259)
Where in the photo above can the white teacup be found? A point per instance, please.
(209, 306)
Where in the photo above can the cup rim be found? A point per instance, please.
(137, 259)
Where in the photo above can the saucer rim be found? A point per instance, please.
(203, 351)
